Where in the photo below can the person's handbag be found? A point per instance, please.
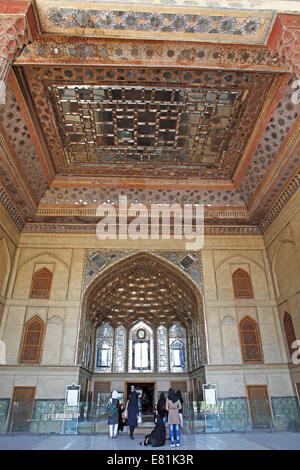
(125, 413)
(111, 409)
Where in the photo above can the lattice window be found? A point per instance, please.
(177, 345)
(41, 284)
(104, 347)
(250, 341)
(289, 332)
(242, 285)
(32, 341)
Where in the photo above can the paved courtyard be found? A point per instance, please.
(226, 441)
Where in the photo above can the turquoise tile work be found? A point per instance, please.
(286, 413)
(229, 414)
(234, 414)
(4, 407)
(47, 416)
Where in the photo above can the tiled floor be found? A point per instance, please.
(230, 441)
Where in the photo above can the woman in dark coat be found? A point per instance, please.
(161, 407)
(113, 420)
(157, 438)
(133, 411)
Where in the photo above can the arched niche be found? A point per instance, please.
(286, 266)
(116, 296)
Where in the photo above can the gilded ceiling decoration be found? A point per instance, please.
(63, 50)
(93, 197)
(12, 121)
(145, 125)
(143, 291)
(198, 127)
(280, 124)
(104, 102)
(96, 260)
(145, 22)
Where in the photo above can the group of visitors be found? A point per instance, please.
(167, 411)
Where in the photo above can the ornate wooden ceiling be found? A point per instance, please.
(98, 106)
(198, 128)
(141, 288)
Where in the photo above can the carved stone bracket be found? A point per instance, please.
(17, 29)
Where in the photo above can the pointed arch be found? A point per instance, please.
(250, 341)
(191, 299)
(32, 341)
(242, 285)
(41, 284)
(289, 332)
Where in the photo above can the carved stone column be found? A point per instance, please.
(284, 40)
(17, 28)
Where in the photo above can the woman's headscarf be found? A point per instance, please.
(172, 395)
(179, 395)
(115, 395)
(162, 400)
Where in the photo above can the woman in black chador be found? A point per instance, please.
(157, 438)
(161, 407)
(133, 411)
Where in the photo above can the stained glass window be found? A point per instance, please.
(120, 349)
(141, 355)
(104, 348)
(162, 349)
(103, 355)
(140, 346)
(177, 345)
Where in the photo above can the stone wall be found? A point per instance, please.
(282, 242)
(272, 262)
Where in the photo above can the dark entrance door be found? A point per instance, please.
(146, 396)
(259, 405)
(21, 409)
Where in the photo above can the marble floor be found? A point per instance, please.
(226, 441)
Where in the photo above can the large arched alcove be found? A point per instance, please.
(143, 288)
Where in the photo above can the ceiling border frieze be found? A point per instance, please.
(78, 51)
(140, 21)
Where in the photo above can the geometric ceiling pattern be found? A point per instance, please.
(198, 128)
(167, 106)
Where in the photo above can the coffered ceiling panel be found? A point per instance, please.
(113, 121)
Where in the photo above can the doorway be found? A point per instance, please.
(259, 406)
(145, 391)
(21, 409)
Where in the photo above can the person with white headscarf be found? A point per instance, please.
(113, 415)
